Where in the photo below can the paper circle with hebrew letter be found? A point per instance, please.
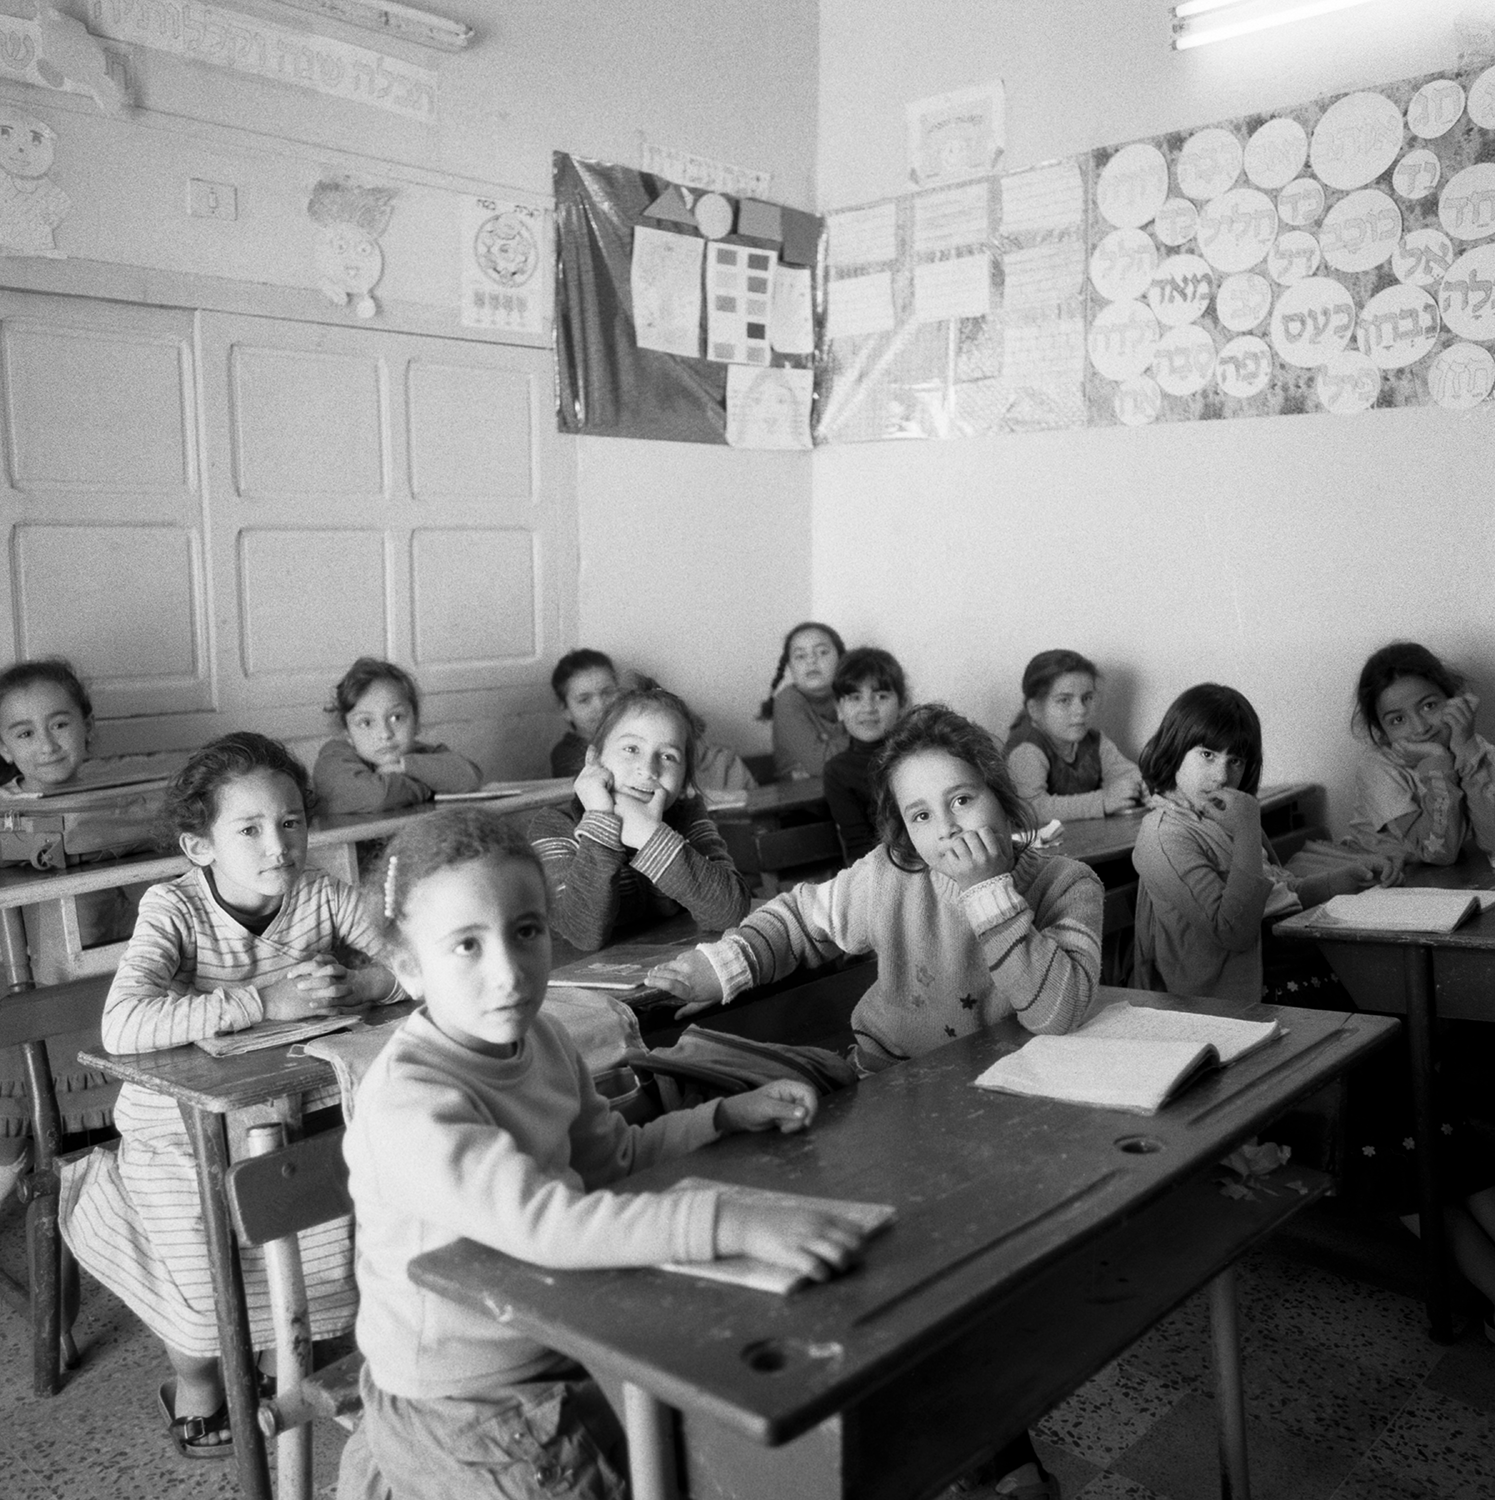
(1466, 295)
(1466, 206)
(1243, 367)
(1348, 384)
(1435, 109)
(1481, 102)
(1237, 229)
(1184, 360)
(1275, 154)
(1138, 401)
(1209, 164)
(1417, 174)
(1243, 301)
(1301, 202)
(714, 216)
(1121, 340)
(1423, 257)
(1176, 222)
(1181, 290)
(1461, 376)
(1361, 231)
(1398, 327)
(1132, 186)
(1123, 263)
(1294, 256)
(1313, 321)
(1355, 140)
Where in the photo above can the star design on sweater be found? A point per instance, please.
(949, 1031)
(969, 1002)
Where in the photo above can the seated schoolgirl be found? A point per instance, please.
(871, 691)
(382, 762)
(806, 728)
(584, 682)
(480, 1120)
(636, 844)
(1428, 780)
(719, 768)
(1062, 766)
(249, 934)
(1208, 877)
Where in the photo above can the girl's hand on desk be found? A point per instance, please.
(1392, 867)
(788, 1104)
(594, 786)
(808, 1240)
(312, 988)
(1121, 796)
(371, 984)
(690, 977)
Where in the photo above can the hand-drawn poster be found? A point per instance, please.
(666, 284)
(1334, 257)
(956, 135)
(31, 204)
(769, 408)
(505, 266)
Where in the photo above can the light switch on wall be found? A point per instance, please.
(211, 200)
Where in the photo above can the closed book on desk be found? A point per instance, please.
(274, 1034)
(1131, 1057)
(762, 1275)
(1407, 909)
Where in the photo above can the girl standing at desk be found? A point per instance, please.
(806, 728)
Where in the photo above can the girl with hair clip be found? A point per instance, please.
(806, 728)
(1062, 767)
(1429, 779)
(382, 763)
(1208, 877)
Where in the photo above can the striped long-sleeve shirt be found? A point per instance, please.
(949, 962)
(598, 886)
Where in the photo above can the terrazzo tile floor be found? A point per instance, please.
(1347, 1399)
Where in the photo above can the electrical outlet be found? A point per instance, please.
(211, 200)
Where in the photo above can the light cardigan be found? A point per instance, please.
(516, 1153)
(1030, 764)
(949, 962)
(805, 736)
(1447, 802)
(346, 783)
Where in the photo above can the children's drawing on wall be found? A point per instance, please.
(504, 266)
(348, 257)
(31, 204)
(52, 50)
(768, 408)
(961, 134)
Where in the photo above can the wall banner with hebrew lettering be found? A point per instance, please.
(1334, 257)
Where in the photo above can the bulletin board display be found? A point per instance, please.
(958, 310)
(682, 315)
(1334, 257)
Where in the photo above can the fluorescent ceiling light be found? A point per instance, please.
(1196, 23)
(403, 22)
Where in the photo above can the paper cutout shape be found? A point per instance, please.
(675, 206)
(1435, 109)
(665, 278)
(955, 135)
(956, 288)
(1122, 265)
(769, 408)
(1184, 360)
(802, 235)
(31, 204)
(1312, 322)
(1361, 231)
(504, 265)
(1423, 257)
(1133, 185)
(1355, 140)
(1237, 229)
(72, 59)
(1243, 368)
(1348, 385)
(1209, 164)
(1466, 207)
(1275, 154)
(1481, 101)
(1176, 222)
(1243, 301)
(1180, 290)
(347, 255)
(1301, 203)
(760, 221)
(1138, 401)
(860, 304)
(701, 172)
(791, 323)
(1398, 327)
(1123, 337)
(1466, 295)
(1294, 256)
(739, 297)
(1461, 376)
(714, 216)
(1417, 174)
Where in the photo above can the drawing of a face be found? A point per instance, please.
(25, 145)
(349, 258)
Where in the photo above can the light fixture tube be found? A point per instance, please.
(1189, 32)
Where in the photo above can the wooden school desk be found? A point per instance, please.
(1419, 975)
(1034, 1242)
(783, 826)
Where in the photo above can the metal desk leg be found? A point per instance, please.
(650, 1427)
(15, 957)
(210, 1148)
(1421, 1013)
(1235, 1482)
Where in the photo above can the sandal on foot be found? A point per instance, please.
(187, 1433)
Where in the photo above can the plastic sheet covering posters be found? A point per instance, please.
(664, 293)
(958, 310)
(1330, 258)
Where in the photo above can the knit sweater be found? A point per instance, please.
(1038, 766)
(516, 1153)
(346, 783)
(949, 962)
(848, 794)
(598, 886)
(805, 734)
(1425, 811)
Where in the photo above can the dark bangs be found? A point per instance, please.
(1217, 717)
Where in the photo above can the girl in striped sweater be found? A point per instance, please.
(247, 935)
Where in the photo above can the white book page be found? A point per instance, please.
(1231, 1038)
(1401, 910)
(1109, 1072)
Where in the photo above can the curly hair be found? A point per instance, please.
(655, 700)
(936, 726)
(1040, 675)
(361, 676)
(765, 709)
(193, 796)
(1219, 718)
(870, 664)
(439, 840)
(1382, 668)
(583, 659)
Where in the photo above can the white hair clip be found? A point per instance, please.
(389, 888)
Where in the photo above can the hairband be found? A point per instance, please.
(389, 888)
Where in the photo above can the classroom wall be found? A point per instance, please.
(592, 77)
(1273, 554)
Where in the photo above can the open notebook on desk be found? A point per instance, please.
(623, 966)
(1131, 1057)
(1406, 909)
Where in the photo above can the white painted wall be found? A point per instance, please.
(1272, 554)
